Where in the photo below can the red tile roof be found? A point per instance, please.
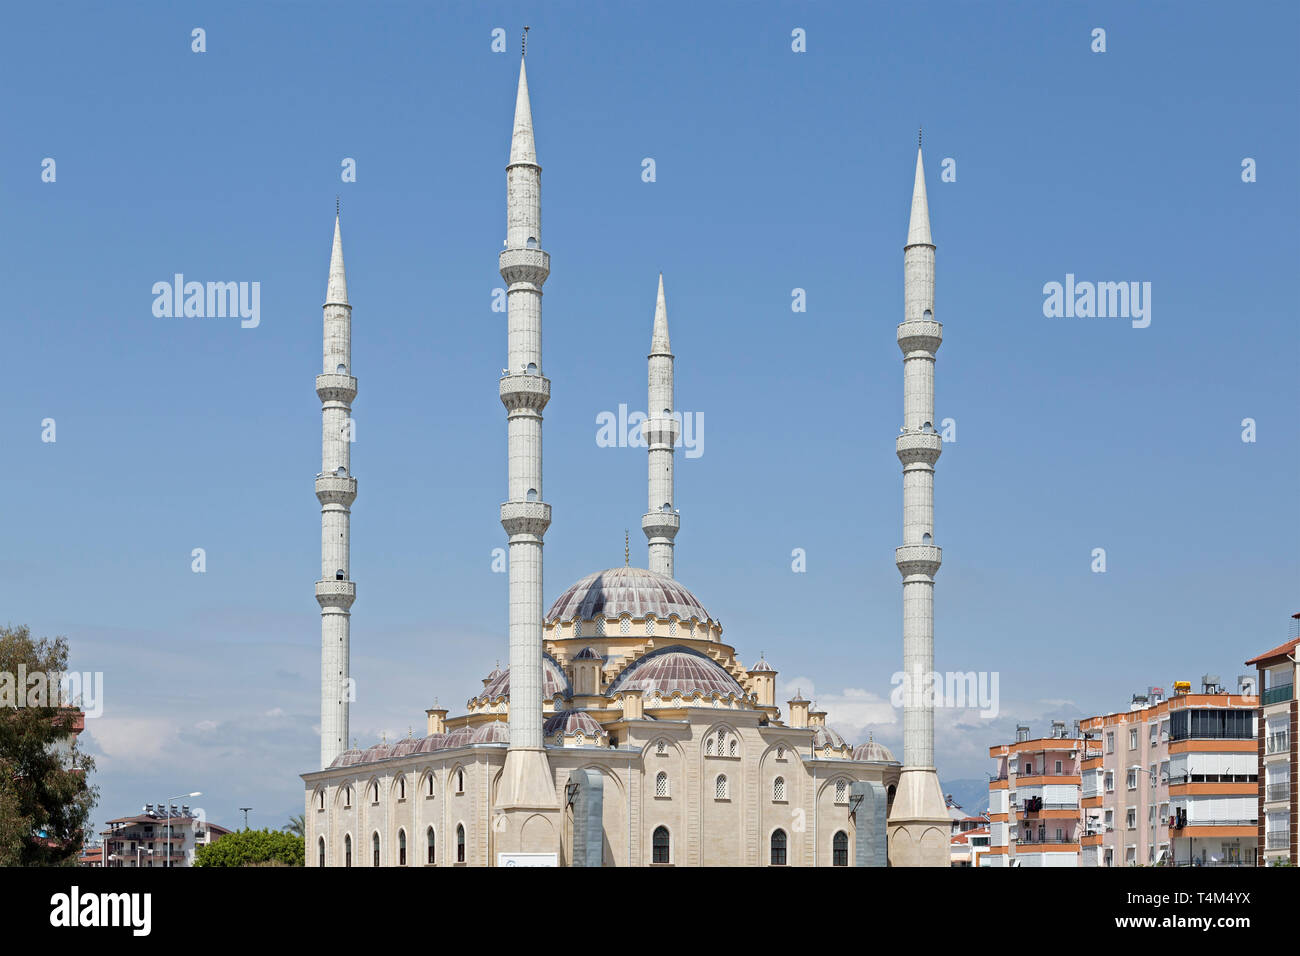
(1287, 648)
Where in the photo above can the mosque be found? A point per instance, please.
(626, 731)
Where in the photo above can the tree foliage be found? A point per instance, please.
(252, 848)
(45, 798)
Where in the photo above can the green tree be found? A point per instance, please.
(45, 798)
(252, 848)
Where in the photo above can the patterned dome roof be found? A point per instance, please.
(570, 723)
(460, 737)
(635, 591)
(677, 670)
(347, 759)
(827, 737)
(493, 732)
(762, 667)
(873, 751)
(553, 682)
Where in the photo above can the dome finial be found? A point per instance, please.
(627, 549)
(918, 137)
(524, 52)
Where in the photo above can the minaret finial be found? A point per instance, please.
(627, 549)
(337, 204)
(918, 137)
(525, 49)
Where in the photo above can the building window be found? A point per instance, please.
(720, 787)
(401, 848)
(1058, 768)
(374, 793)
(780, 753)
(624, 626)
(1110, 782)
(374, 847)
(778, 789)
(708, 747)
(731, 748)
(661, 748)
(650, 626)
(428, 786)
(1133, 739)
(347, 850)
(1110, 742)
(401, 788)
(320, 852)
(841, 791)
(432, 841)
(661, 784)
(778, 848)
(460, 843)
(722, 736)
(840, 849)
(1132, 779)
(1029, 768)
(320, 800)
(659, 845)
(672, 628)
(1152, 773)
(460, 781)
(347, 798)
(1130, 819)
(1155, 733)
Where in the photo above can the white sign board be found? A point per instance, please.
(528, 859)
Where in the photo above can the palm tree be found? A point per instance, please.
(296, 825)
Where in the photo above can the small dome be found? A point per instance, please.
(429, 744)
(348, 758)
(677, 669)
(493, 732)
(553, 682)
(570, 723)
(404, 747)
(762, 667)
(873, 751)
(827, 737)
(587, 654)
(460, 737)
(633, 591)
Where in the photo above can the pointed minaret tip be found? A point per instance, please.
(523, 149)
(336, 293)
(918, 228)
(659, 343)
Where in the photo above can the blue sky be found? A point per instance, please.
(775, 170)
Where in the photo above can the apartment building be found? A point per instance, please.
(1035, 814)
(157, 837)
(1276, 751)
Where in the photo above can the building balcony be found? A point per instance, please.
(336, 593)
(1276, 695)
(1275, 792)
(1277, 840)
(1277, 743)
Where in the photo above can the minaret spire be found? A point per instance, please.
(661, 521)
(524, 390)
(336, 489)
(919, 806)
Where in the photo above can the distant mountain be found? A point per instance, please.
(972, 794)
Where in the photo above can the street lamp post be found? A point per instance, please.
(179, 796)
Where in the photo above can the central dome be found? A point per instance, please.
(633, 591)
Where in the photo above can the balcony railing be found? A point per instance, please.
(1277, 743)
(1275, 695)
(1277, 791)
(1277, 840)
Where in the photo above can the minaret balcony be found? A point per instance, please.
(659, 433)
(525, 517)
(918, 559)
(336, 593)
(920, 335)
(661, 524)
(913, 447)
(525, 265)
(336, 490)
(336, 388)
(523, 390)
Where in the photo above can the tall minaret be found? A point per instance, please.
(524, 390)
(918, 820)
(336, 489)
(660, 523)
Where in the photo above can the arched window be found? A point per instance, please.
(731, 748)
(401, 788)
(460, 781)
(347, 850)
(650, 625)
(778, 848)
(778, 789)
(532, 242)
(659, 845)
(780, 753)
(374, 792)
(841, 791)
(460, 843)
(708, 747)
(661, 748)
(720, 787)
(401, 848)
(722, 736)
(338, 575)
(432, 840)
(320, 852)
(624, 626)
(840, 849)
(928, 315)
(347, 798)
(661, 784)
(531, 495)
(374, 847)
(341, 370)
(320, 800)
(428, 784)
(925, 538)
(532, 368)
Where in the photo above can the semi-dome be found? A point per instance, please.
(677, 670)
(873, 751)
(553, 682)
(633, 591)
